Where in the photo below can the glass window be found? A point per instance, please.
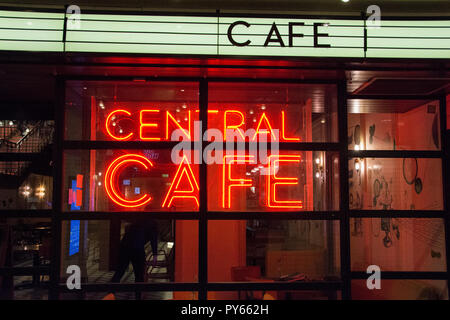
(133, 250)
(130, 110)
(293, 112)
(124, 180)
(395, 184)
(284, 181)
(26, 136)
(25, 187)
(28, 240)
(393, 125)
(273, 250)
(398, 244)
(125, 295)
(25, 243)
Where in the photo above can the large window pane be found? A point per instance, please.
(133, 250)
(395, 184)
(297, 181)
(300, 112)
(25, 243)
(393, 125)
(124, 180)
(129, 111)
(273, 250)
(406, 244)
(24, 186)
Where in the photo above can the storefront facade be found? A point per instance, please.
(280, 156)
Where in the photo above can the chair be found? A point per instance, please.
(247, 274)
(45, 253)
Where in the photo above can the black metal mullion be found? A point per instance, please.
(55, 263)
(133, 287)
(203, 184)
(403, 275)
(104, 145)
(437, 214)
(445, 147)
(277, 285)
(96, 215)
(344, 202)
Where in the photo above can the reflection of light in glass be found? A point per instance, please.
(11, 123)
(322, 121)
(263, 107)
(247, 173)
(317, 174)
(357, 147)
(100, 174)
(101, 104)
(184, 106)
(177, 110)
(253, 189)
(357, 166)
(99, 183)
(251, 111)
(169, 245)
(317, 160)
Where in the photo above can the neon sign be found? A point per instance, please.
(149, 125)
(153, 124)
(184, 176)
(111, 180)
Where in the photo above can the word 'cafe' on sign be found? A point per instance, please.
(155, 125)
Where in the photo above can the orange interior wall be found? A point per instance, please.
(226, 249)
(186, 256)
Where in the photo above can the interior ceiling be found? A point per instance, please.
(353, 7)
(402, 86)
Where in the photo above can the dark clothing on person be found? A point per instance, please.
(132, 248)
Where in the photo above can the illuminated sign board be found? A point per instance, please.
(184, 185)
(225, 35)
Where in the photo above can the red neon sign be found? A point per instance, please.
(155, 124)
(273, 181)
(111, 180)
(228, 182)
(184, 170)
(108, 123)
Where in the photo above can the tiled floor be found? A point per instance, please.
(24, 292)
